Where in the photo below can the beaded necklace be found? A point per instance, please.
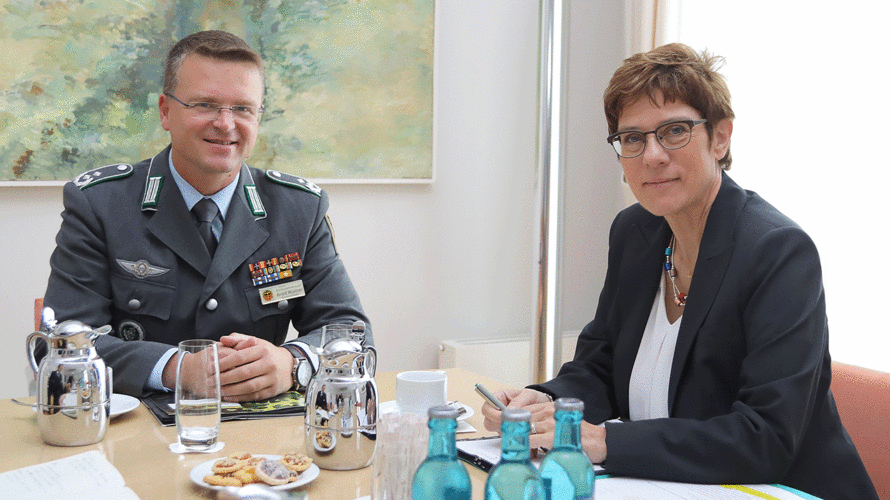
(679, 298)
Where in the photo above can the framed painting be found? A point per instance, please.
(349, 84)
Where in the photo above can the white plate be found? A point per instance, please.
(321, 448)
(388, 406)
(206, 468)
(121, 403)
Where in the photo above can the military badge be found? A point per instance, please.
(141, 268)
(274, 269)
(130, 330)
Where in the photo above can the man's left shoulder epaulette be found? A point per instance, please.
(103, 174)
(291, 180)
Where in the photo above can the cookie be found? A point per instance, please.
(296, 461)
(241, 456)
(221, 480)
(246, 475)
(324, 439)
(272, 472)
(227, 465)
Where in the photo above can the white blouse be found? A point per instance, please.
(652, 369)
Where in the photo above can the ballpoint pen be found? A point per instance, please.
(490, 397)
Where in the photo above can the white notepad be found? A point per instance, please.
(86, 476)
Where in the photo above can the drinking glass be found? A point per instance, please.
(197, 395)
(333, 332)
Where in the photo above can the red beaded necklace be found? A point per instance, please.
(679, 298)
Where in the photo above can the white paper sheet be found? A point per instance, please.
(86, 476)
(624, 488)
(621, 488)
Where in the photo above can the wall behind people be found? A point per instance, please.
(450, 259)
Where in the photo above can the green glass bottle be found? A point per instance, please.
(441, 476)
(566, 470)
(514, 477)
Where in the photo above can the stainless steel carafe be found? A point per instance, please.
(341, 406)
(73, 384)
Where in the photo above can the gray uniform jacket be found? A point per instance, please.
(129, 255)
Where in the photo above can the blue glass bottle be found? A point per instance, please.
(566, 470)
(441, 476)
(514, 477)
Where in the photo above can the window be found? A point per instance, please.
(810, 93)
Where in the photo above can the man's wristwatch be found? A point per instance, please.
(302, 371)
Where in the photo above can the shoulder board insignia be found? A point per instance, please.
(102, 174)
(293, 181)
(152, 191)
(253, 199)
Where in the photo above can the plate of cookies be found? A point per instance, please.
(325, 441)
(280, 472)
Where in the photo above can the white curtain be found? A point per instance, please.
(650, 24)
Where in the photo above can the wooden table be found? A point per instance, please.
(137, 446)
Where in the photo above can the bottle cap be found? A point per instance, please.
(442, 412)
(516, 415)
(569, 404)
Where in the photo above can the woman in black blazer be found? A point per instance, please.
(710, 339)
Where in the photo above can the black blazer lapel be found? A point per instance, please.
(714, 255)
(641, 270)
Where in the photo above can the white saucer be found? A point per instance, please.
(121, 403)
(178, 448)
(388, 406)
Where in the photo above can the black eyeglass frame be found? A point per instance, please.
(259, 115)
(691, 123)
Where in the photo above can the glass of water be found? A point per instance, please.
(197, 395)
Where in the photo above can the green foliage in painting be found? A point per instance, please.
(348, 83)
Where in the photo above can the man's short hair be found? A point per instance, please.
(681, 75)
(215, 44)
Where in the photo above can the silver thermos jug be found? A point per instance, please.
(341, 406)
(73, 384)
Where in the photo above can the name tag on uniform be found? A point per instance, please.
(285, 291)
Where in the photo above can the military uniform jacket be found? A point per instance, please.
(129, 255)
(748, 395)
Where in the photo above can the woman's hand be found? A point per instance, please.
(593, 437)
(593, 441)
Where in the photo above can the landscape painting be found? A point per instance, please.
(349, 84)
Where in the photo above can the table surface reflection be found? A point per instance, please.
(138, 446)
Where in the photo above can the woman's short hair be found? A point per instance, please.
(680, 74)
(215, 44)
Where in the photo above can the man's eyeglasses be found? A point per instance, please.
(672, 135)
(241, 112)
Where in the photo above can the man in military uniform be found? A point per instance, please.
(193, 243)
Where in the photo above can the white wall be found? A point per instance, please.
(451, 259)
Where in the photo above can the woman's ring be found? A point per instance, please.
(533, 429)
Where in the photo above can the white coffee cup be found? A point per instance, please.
(418, 391)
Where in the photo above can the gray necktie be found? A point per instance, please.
(205, 211)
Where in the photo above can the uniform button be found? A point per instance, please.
(282, 305)
(134, 304)
(211, 304)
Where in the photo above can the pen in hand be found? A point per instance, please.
(490, 397)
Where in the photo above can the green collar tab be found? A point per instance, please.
(152, 191)
(253, 199)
